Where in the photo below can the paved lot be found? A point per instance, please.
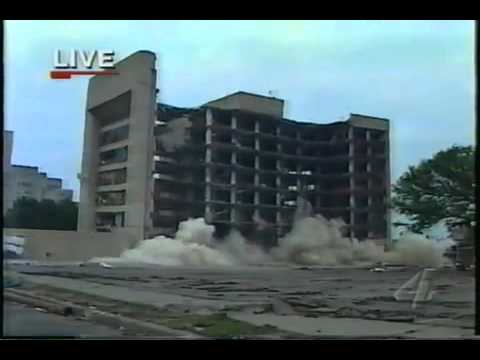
(23, 321)
(311, 293)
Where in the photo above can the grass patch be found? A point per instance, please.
(216, 325)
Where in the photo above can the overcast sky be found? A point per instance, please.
(419, 74)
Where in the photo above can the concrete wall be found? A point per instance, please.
(137, 75)
(7, 149)
(7, 162)
(250, 102)
(71, 245)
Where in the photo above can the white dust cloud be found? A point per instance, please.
(313, 240)
(192, 245)
(318, 241)
(415, 249)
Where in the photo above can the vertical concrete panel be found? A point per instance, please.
(256, 195)
(208, 160)
(140, 153)
(233, 179)
(369, 181)
(88, 175)
(137, 75)
(388, 240)
(278, 182)
(299, 164)
(351, 170)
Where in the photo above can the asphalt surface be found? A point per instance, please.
(311, 292)
(23, 321)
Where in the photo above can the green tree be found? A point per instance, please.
(441, 188)
(29, 213)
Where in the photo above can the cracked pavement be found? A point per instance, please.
(313, 299)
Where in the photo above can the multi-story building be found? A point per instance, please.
(236, 161)
(26, 181)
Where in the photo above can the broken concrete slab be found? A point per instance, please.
(363, 290)
(125, 294)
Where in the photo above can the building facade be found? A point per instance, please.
(235, 161)
(26, 181)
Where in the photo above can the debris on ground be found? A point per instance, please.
(351, 293)
(348, 312)
(40, 309)
(377, 269)
(280, 307)
(68, 311)
(304, 268)
(204, 311)
(399, 318)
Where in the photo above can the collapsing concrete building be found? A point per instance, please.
(235, 161)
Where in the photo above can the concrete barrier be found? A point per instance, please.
(54, 245)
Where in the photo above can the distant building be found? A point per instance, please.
(26, 181)
(235, 161)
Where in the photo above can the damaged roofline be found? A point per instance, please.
(369, 116)
(244, 93)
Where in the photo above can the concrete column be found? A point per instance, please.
(299, 166)
(208, 160)
(233, 188)
(278, 201)
(256, 199)
(257, 166)
(351, 170)
(369, 170)
(279, 161)
(388, 215)
(369, 166)
(209, 123)
(278, 181)
(257, 139)
(233, 200)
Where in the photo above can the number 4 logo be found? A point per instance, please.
(418, 289)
